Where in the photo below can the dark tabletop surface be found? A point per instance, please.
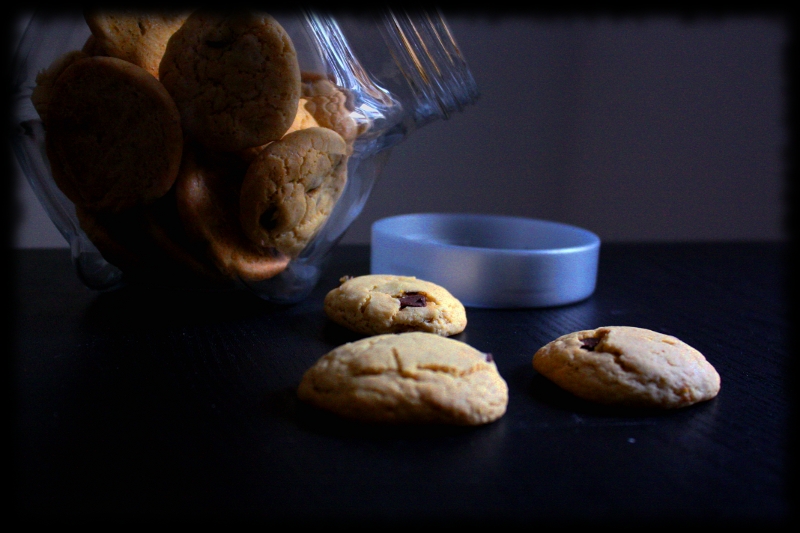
(146, 404)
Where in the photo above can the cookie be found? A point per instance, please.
(138, 37)
(235, 79)
(382, 303)
(174, 250)
(302, 120)
(90, 47)
(114, 138)
(628, 366)
(46, 79)
(329, 105)
(207, 199)
(410, 377)
(291, 187)
(112, 238)
(147, 243)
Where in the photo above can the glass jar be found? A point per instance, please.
(400, 70)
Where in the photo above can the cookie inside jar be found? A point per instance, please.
(236, 83)
(168, 112)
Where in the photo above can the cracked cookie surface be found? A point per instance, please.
(330, 106)
(138, 37)
(631, 366)
(235, 79)
(291, 187)
(410, 377)
(381, 303)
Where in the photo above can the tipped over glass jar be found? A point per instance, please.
(202, 150)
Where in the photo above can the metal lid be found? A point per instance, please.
(490, 261)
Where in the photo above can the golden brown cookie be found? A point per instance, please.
(382, 303)
(407, 378)
(291, 187)
(135, 36)
(302, 120)
(114, 138)
(207, 197)
(330, 106)
(628, 366)
(235, 79)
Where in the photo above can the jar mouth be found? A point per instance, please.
(376, 103)
(432, 79)
(426, 52)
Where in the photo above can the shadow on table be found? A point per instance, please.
(549, 395)
(141, 307)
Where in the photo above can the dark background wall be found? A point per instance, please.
(637, 128)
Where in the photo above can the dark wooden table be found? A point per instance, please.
(141, 404)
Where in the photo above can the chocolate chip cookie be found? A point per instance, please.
(381, 303)
(629, 366)
(291, 187)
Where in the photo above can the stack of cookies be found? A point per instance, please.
(192, 145)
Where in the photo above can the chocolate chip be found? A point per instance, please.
(413, 299)
(489, 358)
(268, 219)
(589, 343)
